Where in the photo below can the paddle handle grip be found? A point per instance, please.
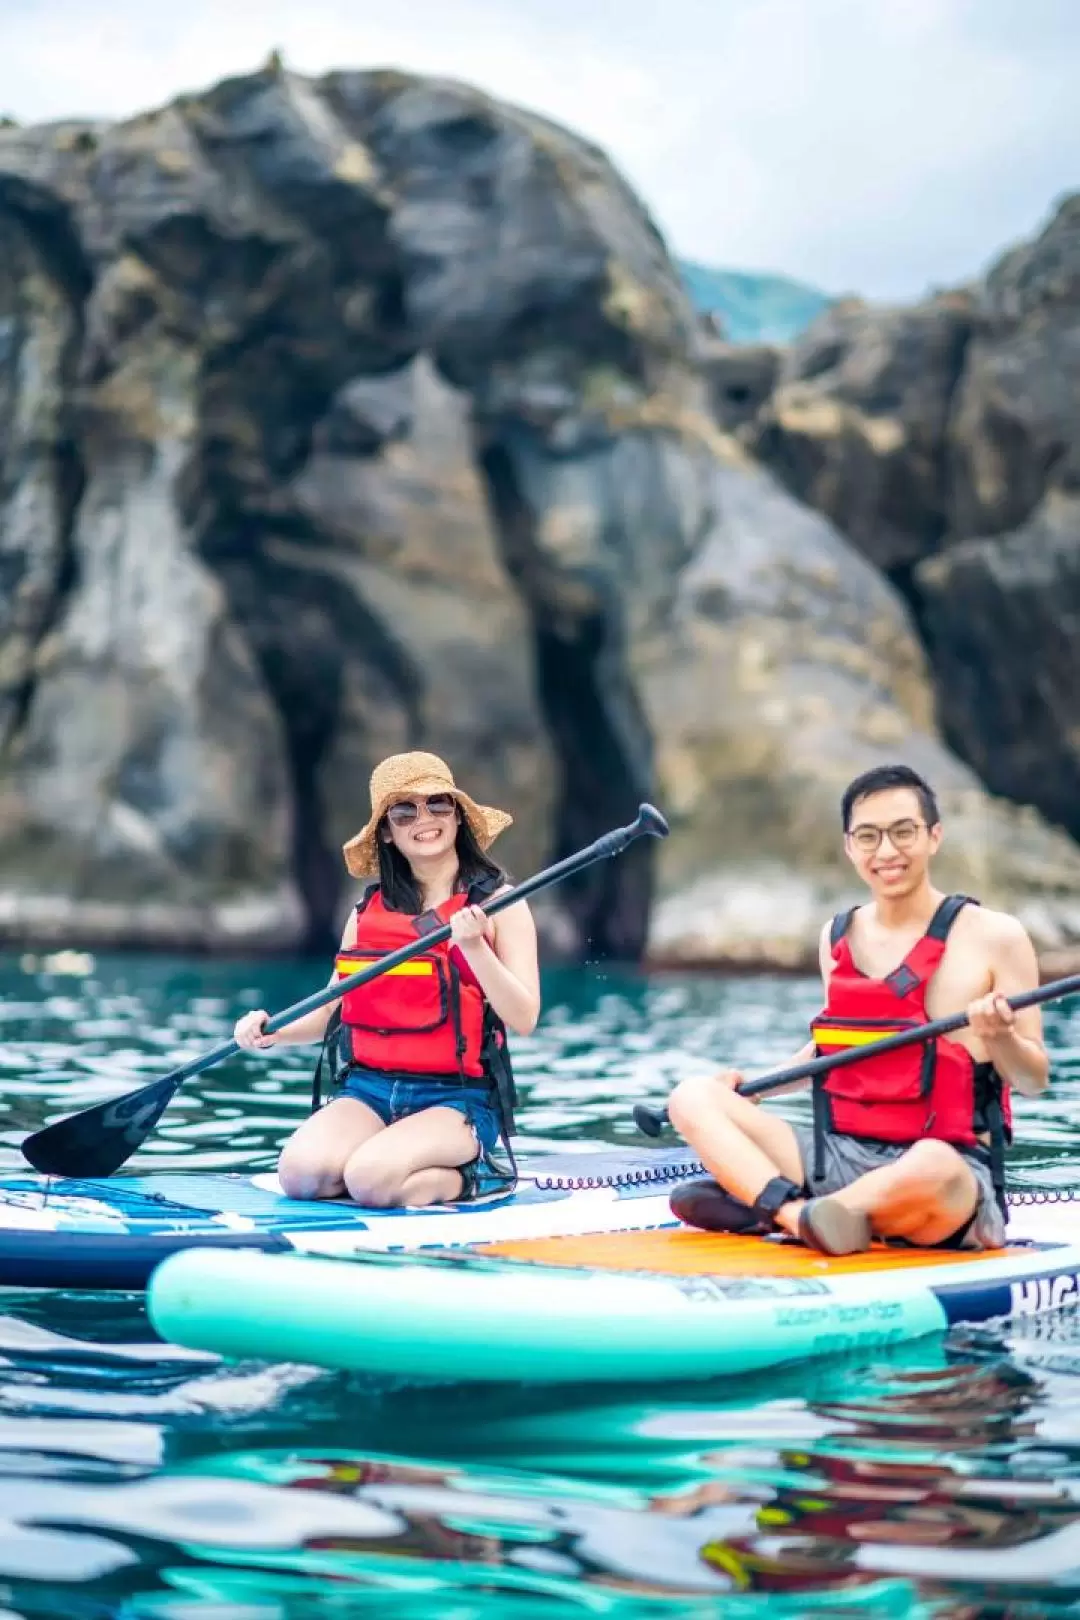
(647, 823)
(651, 1121)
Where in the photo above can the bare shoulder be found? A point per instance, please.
(515, 939)
(348, 940)
(516, 915)
(1000, 933)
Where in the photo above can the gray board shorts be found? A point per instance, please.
(846, 1158)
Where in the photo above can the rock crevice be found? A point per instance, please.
(45, 283)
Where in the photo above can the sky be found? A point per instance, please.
(881, 147)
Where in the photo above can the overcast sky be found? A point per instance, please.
(876, 146)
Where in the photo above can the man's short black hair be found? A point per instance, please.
(879, 780)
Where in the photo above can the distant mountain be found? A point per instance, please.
(753, 308)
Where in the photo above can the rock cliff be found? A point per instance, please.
(944, 440)
(364, 413)
(336, 417)
(795, 667)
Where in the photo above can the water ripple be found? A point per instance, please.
(147, 1483)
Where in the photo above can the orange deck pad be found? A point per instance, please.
(680, 1253)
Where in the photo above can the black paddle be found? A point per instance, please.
(653, 1120)
(98, 1141)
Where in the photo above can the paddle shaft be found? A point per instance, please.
(98, 1140)
(657, 1118)
(648, 820)
(612, 843)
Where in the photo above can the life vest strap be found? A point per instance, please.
(946, 914)
(820, 1116)
(990, 1115)
(370, 890)
(840, 925)
(940, 923)
(836, 1035)
(327, 1056)
(416, 968)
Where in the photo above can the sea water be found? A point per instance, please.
(142, 1481)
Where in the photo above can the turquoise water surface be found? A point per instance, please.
(141, 1481)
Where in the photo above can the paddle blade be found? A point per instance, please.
(650, 1121)
(98, 1141)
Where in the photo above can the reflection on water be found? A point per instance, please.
(141, 1481)
(940, 1487)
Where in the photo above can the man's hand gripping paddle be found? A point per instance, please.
(653, 1120)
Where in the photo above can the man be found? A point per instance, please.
(907, 1144)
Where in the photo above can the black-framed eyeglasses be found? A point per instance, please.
(901, 834)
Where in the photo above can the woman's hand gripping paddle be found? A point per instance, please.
(653, 1120)
(99, 1140)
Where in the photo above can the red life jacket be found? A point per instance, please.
(934, 1088)
(427, 1015)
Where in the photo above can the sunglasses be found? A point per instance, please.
(405, 813)
(901, 834)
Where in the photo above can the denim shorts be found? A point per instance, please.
(396, 1096)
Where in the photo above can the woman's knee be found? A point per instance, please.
(371, 1182)
(304, 1178)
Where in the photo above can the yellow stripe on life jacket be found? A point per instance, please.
(346, 966)
(827, 1035)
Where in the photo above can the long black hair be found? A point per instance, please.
(401, 891)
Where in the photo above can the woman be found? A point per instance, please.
(420, 1109)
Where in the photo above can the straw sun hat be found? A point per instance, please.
(404, 776)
